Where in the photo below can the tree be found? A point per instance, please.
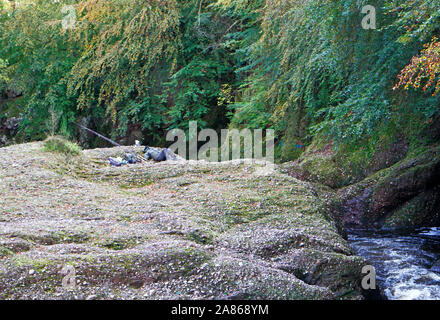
(424, 69)
(416, 19)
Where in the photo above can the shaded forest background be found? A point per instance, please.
(133, 69)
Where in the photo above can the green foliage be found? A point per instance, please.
(39, 56)
(152, 64)
(128, 56)
(5, 252)
(60, 145)
(304, 68)
(204, 66)
(3, 75)
(288, 152)
(336, 81)
(416, 19)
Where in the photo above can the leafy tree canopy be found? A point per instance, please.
(305, 68)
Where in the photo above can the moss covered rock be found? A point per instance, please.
(404, 195)
(165, 230)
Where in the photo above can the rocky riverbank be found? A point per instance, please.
(165, 230)
(396, 190)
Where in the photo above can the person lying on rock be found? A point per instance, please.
(117, 162)
(159, 155)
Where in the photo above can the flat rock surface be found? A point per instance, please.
(170, 230)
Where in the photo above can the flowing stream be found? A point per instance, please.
(402, 261)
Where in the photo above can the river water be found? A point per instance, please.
(402, 261)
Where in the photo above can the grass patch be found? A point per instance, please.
(119, 243)
(61, 145)
(38, 264)
(5, 252)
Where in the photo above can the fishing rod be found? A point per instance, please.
(107, 139)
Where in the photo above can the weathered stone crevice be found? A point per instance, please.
(394, 189)
(404, 195)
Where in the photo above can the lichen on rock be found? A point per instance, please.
(165, 230)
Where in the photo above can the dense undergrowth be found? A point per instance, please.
(135, 69)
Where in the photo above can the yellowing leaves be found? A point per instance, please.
(423, 71)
